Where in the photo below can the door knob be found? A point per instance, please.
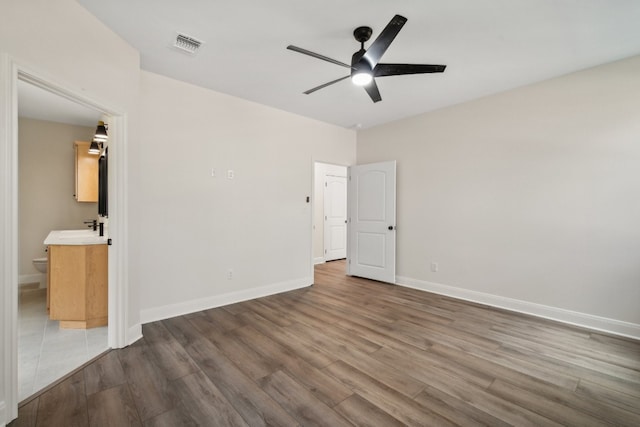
(391, 227)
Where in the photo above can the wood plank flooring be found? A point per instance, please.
(349, 351)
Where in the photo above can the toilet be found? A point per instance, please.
(40, 264)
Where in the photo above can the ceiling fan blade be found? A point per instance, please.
(325, 85)
(382, 70)
(372, 90)
(380, 44)
(317, 55)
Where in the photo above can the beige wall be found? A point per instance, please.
(47, 184)
(532, 194)
(64, 42)
(196, 227)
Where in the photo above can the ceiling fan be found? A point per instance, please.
(365, 65)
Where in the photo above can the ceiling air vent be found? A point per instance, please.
(186, 43)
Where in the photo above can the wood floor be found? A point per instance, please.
(348, 351)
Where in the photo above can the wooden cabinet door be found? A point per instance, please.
(68, 287)
(86, 173)
(78, 285)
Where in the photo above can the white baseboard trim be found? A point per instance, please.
(318, 260)
(3, 413)
(611, 326)
(23, 279)
(179, 309)
(134, 334)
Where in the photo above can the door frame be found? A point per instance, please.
(10, 72)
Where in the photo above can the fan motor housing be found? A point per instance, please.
(362, 34)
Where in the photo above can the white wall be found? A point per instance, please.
(197, 227)
(63, 40)
(320, 171)
(47, 184)
(530, 195)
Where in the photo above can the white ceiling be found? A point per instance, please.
(488, 46)
(37, 103)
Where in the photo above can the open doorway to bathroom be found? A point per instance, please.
(48, 127)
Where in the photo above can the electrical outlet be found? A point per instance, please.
(230, 274)
(230, 174)
(434, 267)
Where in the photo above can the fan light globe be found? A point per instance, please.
(361, 79)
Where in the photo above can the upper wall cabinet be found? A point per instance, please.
(86, 173)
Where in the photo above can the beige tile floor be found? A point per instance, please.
(46, 352)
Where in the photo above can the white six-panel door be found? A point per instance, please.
(372, 221)
(335, 217)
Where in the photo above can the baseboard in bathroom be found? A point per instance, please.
(29, 279)
(25, 279)
(28, 296)
(29, 286)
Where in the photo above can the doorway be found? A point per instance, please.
(335, 217)
(48, 125)
(118, 334)
(329, 212)
(369, 223)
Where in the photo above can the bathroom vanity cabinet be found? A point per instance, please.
(86, 173)
(77, 292)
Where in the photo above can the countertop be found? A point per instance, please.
(75, 237)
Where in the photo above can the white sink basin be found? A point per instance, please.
(75, 237)
(70, 234)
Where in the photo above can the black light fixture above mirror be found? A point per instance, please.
(99, 138)
(101, 132)
(94, 148)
